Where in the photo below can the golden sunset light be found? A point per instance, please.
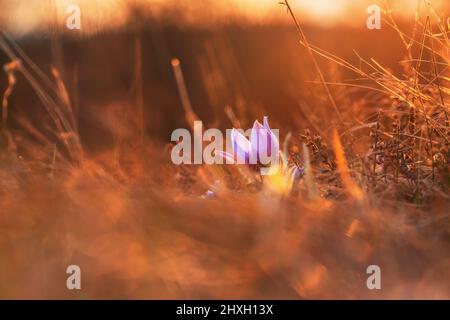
(229, 157)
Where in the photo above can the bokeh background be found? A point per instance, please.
(141, 228)
(242, 54)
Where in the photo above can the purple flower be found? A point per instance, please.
(260, 149)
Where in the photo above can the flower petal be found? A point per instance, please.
(241, 146)
(295, 173)
(257, 137)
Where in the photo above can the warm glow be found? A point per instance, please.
(23, 16)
